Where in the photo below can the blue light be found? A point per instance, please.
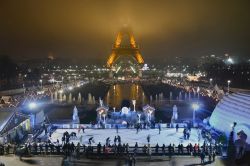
(32, 105)
(195, 106)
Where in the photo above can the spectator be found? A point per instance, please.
(156, 148)
(163, 149)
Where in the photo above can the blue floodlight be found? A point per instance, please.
(32, 105)
(195, 106)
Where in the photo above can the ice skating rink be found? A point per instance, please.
(167, 136)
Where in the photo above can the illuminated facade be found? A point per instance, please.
(233, 108)
(122, 49)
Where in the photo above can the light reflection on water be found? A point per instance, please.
(119, 92)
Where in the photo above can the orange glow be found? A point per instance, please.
(130, 50)
(118, 40)
(139, 58)
(111, 59)
(132, 41)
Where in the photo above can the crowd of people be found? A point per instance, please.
(117, 148)
(114, 146)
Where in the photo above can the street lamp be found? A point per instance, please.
(210, 80)
(53, 81)
(195, 107)
(104, 120)
(41, 81)
(228, 83)
(139, 117)
(134, 101)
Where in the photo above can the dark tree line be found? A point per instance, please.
(8, 69)
(14, 76)
(239, 74)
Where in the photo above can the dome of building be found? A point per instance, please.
(232, 108)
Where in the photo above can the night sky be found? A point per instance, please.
(84, 31)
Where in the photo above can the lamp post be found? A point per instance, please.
(210, 80)
(24, 89)
(53, 81)
(100, 116)
(148, 117)
(134, 101)
(195, 107)
(228, 84)
(104, 120)
(41, 81)
(139, 118)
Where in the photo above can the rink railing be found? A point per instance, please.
(113, 126)
(93, 150)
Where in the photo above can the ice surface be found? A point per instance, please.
(167, 136)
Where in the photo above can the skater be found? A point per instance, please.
(90, 140)
(83, 129)
(107, 141)
(116, 127)
(185, 133)
(159, 127)
(137, 129)
(148, 138)
(177, 127)
(188, 134)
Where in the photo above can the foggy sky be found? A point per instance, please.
(85, 30)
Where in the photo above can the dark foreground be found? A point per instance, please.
(12, 160)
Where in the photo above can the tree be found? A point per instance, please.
(8, 69)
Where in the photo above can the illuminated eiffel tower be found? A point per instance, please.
(121, 49)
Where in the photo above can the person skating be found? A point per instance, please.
(83, 129)
(159, 128)
(116, 127)
(148, 138)
(107, 141)
(177, 127)
(90, 140)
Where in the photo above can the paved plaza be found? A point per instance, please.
(12, 160)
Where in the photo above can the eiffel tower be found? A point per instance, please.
(122, 49)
